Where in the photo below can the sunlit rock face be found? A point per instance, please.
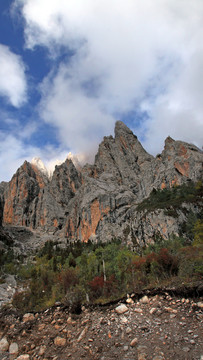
(98, 202)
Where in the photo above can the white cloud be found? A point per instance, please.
(14, 151)
(12, 77)
(127, 54)
(80, 120)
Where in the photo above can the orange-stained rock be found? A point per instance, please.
(123, 142)
(174, 182)
(55, 222)
(183, 151)
(88, 228)
(88, 225)
(183, 168)
(39, 177)
(163, 185)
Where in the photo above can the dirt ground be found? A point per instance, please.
(158, 327)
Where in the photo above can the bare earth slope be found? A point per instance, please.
(158, 327)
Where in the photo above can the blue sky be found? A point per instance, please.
(70, 69)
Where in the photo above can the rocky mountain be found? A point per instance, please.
(99, 202)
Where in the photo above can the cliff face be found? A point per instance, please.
(99, 202)
(2, 190)
(32, 200)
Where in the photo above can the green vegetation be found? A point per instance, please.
(7, 256)
(104, 272)
(171, 199)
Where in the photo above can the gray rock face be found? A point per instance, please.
(122, 176)
(34, 201)
(99, 202)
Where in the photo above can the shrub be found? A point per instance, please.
(96, 286)
(68, 278)
(74, 298)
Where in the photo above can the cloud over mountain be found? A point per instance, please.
(124, 56)
(137, 61)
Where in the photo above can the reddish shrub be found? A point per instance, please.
(167, 261)
(139, 264)
(68, 278)
(97, 284)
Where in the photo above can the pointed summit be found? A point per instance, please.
(121, 128)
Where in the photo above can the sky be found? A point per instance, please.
(70, 68)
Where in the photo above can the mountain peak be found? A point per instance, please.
(36, 161)
(121, 128)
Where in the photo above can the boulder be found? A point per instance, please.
(121, 309)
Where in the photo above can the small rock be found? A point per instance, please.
(28, 317)
(123, 320)
(84, 322)
(128, 330)
(200, 304)
(152, 311)
(141, 348)
(59, 341)
(82, 334)
(41, 327)
(4, 345)
(121, 309)
(125, 348)
(42, 350)
(169, 309)
(186, 349)
(144, 300)
(134, 342)
(141, 356)
(13, 349)
(23, 357)
(69, 320)
(130, 301)
(138, 310)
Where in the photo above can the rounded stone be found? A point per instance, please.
(144, 299)
(134, 342)
(4, 345)
(121, 309)
(59, 341)
(13, 349)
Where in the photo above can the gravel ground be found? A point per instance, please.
(158, 327)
